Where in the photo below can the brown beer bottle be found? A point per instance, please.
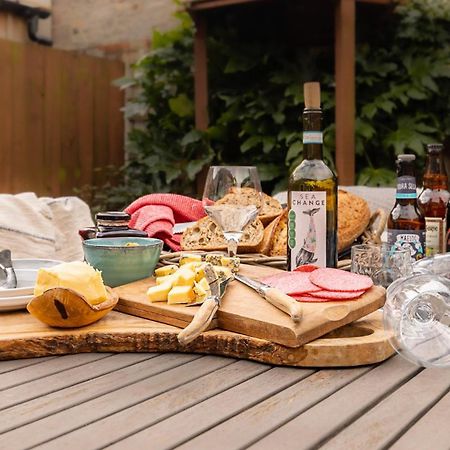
(434, 200)
(406, 224)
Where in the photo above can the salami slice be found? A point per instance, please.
(337, 295)
(339, 280)
(311, 299)
(291, 282)
(306, 268)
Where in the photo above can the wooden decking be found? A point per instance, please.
(162, 401)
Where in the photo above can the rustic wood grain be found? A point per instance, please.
(243, 311)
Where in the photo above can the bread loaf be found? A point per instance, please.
(270, 207)
(206, 235)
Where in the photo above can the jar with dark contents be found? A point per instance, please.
(111, 224)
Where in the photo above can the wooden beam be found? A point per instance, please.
(345, 91)
(212, 4)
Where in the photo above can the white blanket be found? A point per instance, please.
(33, 227)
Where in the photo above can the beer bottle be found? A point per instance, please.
(406, 224)
(433, 201)
(312, 195)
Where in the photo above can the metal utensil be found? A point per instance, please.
(207, 310)
(274, 296)
(6, 266)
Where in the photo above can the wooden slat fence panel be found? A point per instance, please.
(60, 119)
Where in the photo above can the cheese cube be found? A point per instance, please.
(214, 258)
(181, 294)
(201, 289)
(232, 263)
(166, 270)
(159, 293)
(222, 272)
(184, 277)
(199, 272)
(186, 258)
(192, 265)
(166, 279)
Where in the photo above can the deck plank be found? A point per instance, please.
(114, 427)
(188, 367)
(431, 431)
(75, 375)
(338, 410)
(245, 427)
(48, 405)
(9, 366)
(40, 371)
(388, 419)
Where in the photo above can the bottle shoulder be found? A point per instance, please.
(406, 211)
(312, 169)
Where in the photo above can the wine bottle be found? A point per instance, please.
(312, 195)
(406, 224)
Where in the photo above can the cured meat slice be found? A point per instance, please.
(339, 280)
(306, 268)
(311, 299)
(337, 295)
(291, 282)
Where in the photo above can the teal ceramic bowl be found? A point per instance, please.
(120, 264)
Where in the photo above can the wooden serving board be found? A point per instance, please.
(23, 336)
(244, 311)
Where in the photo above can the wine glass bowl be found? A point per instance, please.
(232, 198)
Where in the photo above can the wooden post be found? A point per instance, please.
(345, 91)
(200, 72)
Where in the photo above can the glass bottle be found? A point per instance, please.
(312, 195)
(433, 201)
(406, 224)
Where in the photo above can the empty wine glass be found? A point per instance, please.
(244, 199)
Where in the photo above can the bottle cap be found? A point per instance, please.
(311, 93)
(113, 216)
(435, 148)
(406, 157)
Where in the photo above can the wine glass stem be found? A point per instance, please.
(232, 245)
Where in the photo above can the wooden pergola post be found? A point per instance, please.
(345, 91)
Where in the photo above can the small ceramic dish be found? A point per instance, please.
(123, 260)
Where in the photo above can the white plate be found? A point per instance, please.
(14, 303)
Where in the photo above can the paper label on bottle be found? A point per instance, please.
(435, 231)
(312, 137)
(406, 187)
(412, 239)
(307, 228)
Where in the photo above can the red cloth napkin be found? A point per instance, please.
(156, 214)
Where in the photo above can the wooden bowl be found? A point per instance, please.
(65, 308)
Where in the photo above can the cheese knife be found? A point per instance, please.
(274, 296)
(207, 310)
(10, 281)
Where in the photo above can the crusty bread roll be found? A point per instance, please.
(206, 235)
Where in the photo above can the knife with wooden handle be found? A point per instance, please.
(274, 296)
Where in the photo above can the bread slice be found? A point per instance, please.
(279, 240)
(206, 235)
(269, 234)
(270, 207)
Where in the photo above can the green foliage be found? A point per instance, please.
(402, 91)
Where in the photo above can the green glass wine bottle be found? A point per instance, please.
(312, 195)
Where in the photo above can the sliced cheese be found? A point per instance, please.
(78, 276)
(166, 270)
(184, 277)
(181, 294)
(186, 258)
(166, 279)
(159, 293)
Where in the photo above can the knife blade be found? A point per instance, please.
(207, 310)
(274, 296)
(6, 266)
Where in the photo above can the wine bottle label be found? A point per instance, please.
(406, 187)
(435, 231)
(312, 137)
(412, 239)
(307, 228)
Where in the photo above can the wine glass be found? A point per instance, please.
(242, 187)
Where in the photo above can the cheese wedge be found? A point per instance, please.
(78, 276)
(159, 293)
(181, 294)
(166, 270)
(186, 258)
(184, 277)
(166, 279)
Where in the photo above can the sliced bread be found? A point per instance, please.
(206, 235)
(270, 207)
(279, 240)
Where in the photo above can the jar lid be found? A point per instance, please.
(113, 216)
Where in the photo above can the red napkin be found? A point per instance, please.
(156, 214)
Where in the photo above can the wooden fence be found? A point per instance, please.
(59, 119)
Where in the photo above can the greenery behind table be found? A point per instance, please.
(256, 99)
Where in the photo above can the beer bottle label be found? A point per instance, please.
(414, 239)
(307, 228)
(435, 231)
(406, 187)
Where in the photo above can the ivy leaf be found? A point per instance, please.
(182, 106)
(250, 143)
(369, 110)
(268, 143)
(194, 167)
(371, 176)
(278, 117)
(416, 94)
(268, 172)
(294, 150)
(191, 137)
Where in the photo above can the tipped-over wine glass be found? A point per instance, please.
(242, 187)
